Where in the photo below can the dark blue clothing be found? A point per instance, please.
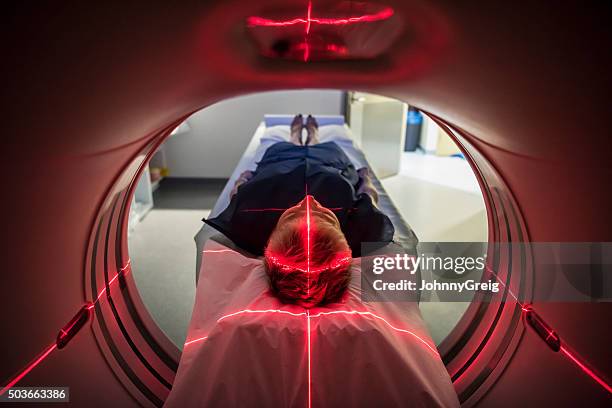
(284, 175)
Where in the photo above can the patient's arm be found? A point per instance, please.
(365, 185)
(243, 178)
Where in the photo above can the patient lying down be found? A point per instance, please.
(307, 210)
(292, 330)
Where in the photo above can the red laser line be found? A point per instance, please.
(564, 350)
(248, 311)
(347, 312)
(307, 48)
(308, 241)
(586, 369)
(286, 266)
(381, 15)
(384, 14)
(309, 365)
(572, 356)
(255, 21)
(122, 270)
(308, 16)
(366, 313)
(52, 347)
(506, 287)
(195, 341)
(29, 368)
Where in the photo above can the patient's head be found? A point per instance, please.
(307, 257)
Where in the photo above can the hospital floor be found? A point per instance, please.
(438, 197)
(441, 200)
(162, 251)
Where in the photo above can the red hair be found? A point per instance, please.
(308, 273)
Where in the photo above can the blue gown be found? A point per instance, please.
(284, 175)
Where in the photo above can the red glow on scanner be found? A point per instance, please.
(335, 48)
(309, 20)
(306, 50)
(384, 14)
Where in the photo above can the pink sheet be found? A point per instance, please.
(246, 348)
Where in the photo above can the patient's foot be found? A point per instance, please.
(296, 129)
(312, 129)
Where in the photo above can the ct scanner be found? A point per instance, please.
(92, 89)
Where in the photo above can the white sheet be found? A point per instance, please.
(245, 348)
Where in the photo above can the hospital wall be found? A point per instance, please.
(220, 133)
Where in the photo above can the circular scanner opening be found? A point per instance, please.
(420, 168)
(146, 235)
